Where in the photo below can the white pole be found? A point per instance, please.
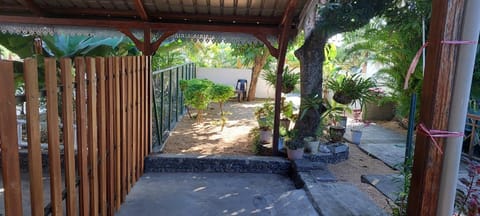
(461, 92)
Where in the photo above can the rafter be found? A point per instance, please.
(141, 10)
(248, 29)
(168, 16)
(33, 7)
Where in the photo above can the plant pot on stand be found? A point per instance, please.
(265, 136)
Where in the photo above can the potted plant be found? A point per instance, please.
(357, 131)
(265, 117)
(295, 149)
(350, 88)
(311, 144)
(289, 78)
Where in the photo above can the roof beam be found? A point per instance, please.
(30, 4)
(141, 10)
(169, 16)
(237, 28)
(288, 13)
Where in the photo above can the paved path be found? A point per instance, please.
(382, 143)
(216, 194)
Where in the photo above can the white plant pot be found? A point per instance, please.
(312, 146)
(265, 136)
(356, 136)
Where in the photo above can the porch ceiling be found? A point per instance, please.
(179, 15)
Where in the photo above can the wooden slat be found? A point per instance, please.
(8, 142)
(30, 73)
(135, 120)
(82, 135)
(123, 98)
(149, 104)
(53, 142)
(117, 113)
(110, 139)
(68, 132)
(102, 135)
(92, 134)
(142, 113)
(129, 121)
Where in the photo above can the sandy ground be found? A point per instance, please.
(208, 138)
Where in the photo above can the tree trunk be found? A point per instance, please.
(260, 61)
(311, 56)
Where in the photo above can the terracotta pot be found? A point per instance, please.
(295, 154)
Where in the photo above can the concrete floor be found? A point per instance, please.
(215, 194)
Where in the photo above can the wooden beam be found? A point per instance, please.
(33, 7)
(138, 43)
(237, 28)
(165, 17)
(154, 46)
(445, 23)
(282, 51)
(288, 13)
(273, 51)
(141, 10)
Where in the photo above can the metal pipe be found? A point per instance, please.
(411, 123)
(458, 110)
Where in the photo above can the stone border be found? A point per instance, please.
(216, 163)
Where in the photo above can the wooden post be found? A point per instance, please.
(434, 113)
(82, 134)
(102, 134)
(92, 134)
(8, 142)
(282, 51)
(53, 142)
(68, 133)
(33, 133)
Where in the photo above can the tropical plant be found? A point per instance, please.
(265, 115)
(350, 88)
(332, 18)
(289, 78)
(291, 140)
(467, 202)
(220, 94)
(171, 53)
(197, 94)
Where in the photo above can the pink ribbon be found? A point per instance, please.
(432, 134)
(416, 58)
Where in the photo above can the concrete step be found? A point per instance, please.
(216, 163)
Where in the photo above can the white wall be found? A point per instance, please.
(229, 76)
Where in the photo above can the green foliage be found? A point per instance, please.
(221, 93)
(392, 40)
(265, 115)
(399, 208)
(71, 46)
(169, 54)
(338, 16)
(475, 92)
(289, 78)
(196, 93)
(352, 87)
(291, 140)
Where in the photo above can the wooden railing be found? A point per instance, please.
(108, 99)
(472, 136)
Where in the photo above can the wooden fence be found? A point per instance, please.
(108, 99)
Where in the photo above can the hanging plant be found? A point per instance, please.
(351, 88)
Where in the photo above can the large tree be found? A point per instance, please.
(333, 17)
